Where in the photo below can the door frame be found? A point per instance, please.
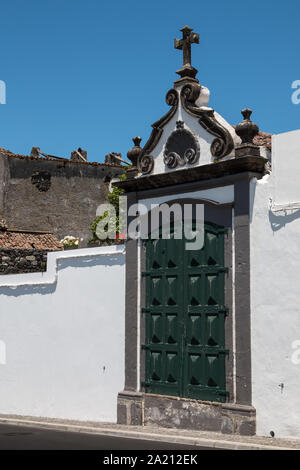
(237, 252)
(221, 215)
(182, 309)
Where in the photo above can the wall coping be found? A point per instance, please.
(51, 274)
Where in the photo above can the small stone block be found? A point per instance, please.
(246, 150)
(122, 414)
(247, 428)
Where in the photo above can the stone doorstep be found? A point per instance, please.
(136, 408)
(212, 440)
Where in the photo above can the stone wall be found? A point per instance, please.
(57, 196)
(14, 261)
(136, 408)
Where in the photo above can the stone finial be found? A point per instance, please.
(184, 44)
(135, 151)
(247, 130)
(133, 155)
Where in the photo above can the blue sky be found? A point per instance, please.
(94, 73)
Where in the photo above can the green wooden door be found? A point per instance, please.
(185, 318)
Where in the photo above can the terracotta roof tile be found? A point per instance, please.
(264, 139)
(66, 160)
(22, 240)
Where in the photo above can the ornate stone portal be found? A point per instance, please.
(187, 350)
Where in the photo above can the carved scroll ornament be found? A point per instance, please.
(146, 161)
(182, 147)
(223, 144)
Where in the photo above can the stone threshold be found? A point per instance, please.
(210, 440)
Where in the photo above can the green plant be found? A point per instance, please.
(113, 199)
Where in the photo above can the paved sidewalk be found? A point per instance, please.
(178, 436)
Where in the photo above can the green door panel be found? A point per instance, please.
(185, 317)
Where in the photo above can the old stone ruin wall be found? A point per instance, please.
(14, 261)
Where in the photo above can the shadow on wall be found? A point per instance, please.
(279, 221)
(45, 289)
(27, 290)
(104, 260)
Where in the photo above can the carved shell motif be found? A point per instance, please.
(181, 148)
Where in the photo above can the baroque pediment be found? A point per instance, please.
(189, 134)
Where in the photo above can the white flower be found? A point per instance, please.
(69, 240)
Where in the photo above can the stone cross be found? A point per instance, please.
(184, 44)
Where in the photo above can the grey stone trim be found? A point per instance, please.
(142, 316)
(197, 173)
(193, 186)
(130, 408)
(131, 311)
(229, 304)
(242, 409)
(242, 292)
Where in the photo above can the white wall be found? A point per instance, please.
(221, 194)
(63, 333)
(275, 291)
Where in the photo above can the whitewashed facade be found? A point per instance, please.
(62, 337)
(187, 363)
(275, 293)
(206, 341)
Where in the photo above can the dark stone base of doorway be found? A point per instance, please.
(182, 413)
